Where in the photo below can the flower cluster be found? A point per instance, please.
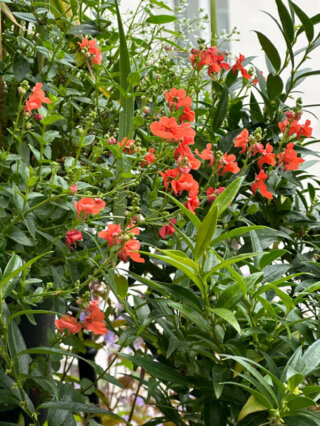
(127, 244)
(36, 99)
(93, 320)
(288, 159)
(91, 50)
(210, 57)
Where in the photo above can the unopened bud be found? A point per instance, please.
(38, 117)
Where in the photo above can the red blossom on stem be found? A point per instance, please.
(72, 237)
(238, 66)
(289, 158)
(241, 141)
(36, 99)
(89, 46)
(89, 206)
(168, 229)
(259, 184)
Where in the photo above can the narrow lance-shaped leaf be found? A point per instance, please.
(306, 21)
(286, 21)
(206, 231)
(126, 113)
(270, 50)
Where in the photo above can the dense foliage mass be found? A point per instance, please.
(155, 201)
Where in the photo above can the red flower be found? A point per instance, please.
(36, 99)
(185, 159)
(213, 193)
(177, 98)
(73, 188)
(199, 58)
(111, 234)
(292, 125)
(208, 57)
(68, 323)
(192, 202)
(305, 130)
(188, 115)
(94, 321)
(89, 206)
(206, 154)
(128, 146)
(241, 140)
(185, 182)
(168, 176)
(89, 47)
(228, 164)
(289, 158)
(267, 157)
(149, 158)
(130, 250)
(259, 184)
(167, 128)
(168, 229)
(238, 66)
(257, 148)
(72, 237)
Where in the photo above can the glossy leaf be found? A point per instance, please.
(270, 50)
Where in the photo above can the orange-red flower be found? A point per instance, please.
(36, 99)
(292, 125)
(192, 202)
(206, 154)
(289, 158)
(177, 98)
(167, 128)
(90, 48)
(168, 229)
(212, 194)
(238, 66)
(128, 146)
(259, 184)
(89, 206)
(185, 182)
(228, 164)
(168, 176)
(130, 250)
(68, 323)
(267, 156)
(149, 158)
(185, 159)
(73, 188)
(187, 115)
(111, 234)
(305, 130)
(72, 237)
(241, 141)
(94, 321)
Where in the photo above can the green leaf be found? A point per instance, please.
(160, 19)
(126, 113)
(56, 351)
(206, 231)
(77, 407)
(305, 20)
(236, 233)
(228, 316)
(20, 67)
(224, 200)
(221, 110)
(19, 237)
(134, 78)
(270, 257)
(16, 344)
(230, 261)
(191, 314)
(180, 256)
(14, 263)
(270, 50)
(157, 369)
(17, 271)
(50, 119)
(219, 374)
(191, 216)
(311, 358)
(178, 264)
(121, 284)
(251, 406)
(274, 86)
(286, 21)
